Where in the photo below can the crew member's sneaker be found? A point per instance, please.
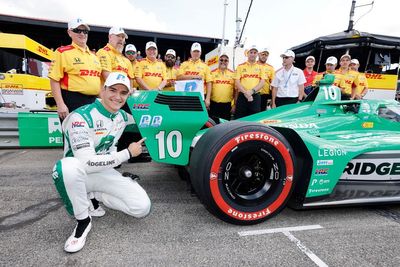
(99, 212)
(74, 244)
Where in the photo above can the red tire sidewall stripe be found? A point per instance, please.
(215, 172)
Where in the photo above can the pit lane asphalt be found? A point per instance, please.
(179, 231)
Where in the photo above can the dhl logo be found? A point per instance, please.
(11, 86)
(152, 74)
(348, 81)
(212, 61)
(191, 73)
(43, 50)
(90, 73)
(122, 69)
(251, 76)
(374, 76)
(222, 82)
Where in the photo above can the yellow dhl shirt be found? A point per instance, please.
(360, 82)
(223, 86)
(170, 77)
(197, 67)
(319, 76)
(270, 73)
(76, 69)
(347, 83)
(112, 60)
(250, 74)
(152, 72)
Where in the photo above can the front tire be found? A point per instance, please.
(243, 172)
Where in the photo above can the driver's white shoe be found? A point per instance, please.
(74, 244)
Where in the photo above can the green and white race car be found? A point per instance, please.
(321, 152)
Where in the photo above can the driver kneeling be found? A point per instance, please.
(86, 171)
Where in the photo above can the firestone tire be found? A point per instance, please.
(243, 172)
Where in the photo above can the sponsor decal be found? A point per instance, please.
(346, 194)
(77, 60)
(76, 124)
(100, 163)
(368, 168)
(319, 190)
(99, 123)
(295, 125)
(270, 121)
(156, 122)
(321, 171)
(368, 125)
(90, 73)
(331, 152)
(79, 146)
(374, 76)
(99, 132)
(190, 87)
(42, 50)
(141, 106)
(248, 215)
(145, 121)
(55, 175)
(78, 139)
(54, 130)
(324, 162)
(213, 176)
(257, 136)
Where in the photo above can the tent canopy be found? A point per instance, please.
(372, 50)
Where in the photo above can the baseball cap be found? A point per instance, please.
(345, 55)
(265, 49)
(151, 44)
(73, 24)
(355, 61)
(195, 47)
(331, 60)
(252, 47)
(117, 78)
(130, 47)
(171, 52)
(310, 57)
(288, 53)
(117, 30)
(224, 54)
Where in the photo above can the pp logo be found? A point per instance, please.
(190, 87)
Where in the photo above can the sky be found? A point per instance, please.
(277, 25)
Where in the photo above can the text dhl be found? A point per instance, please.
(152, 74)
(90, 73)
(374, 76)
(251, 76)
(43, 50)
(191, 72)
(222, 82)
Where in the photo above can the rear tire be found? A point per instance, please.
(243, 172)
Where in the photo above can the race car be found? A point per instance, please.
(321, 152)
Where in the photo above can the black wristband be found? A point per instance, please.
(130, 154)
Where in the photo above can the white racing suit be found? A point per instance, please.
(90, 136)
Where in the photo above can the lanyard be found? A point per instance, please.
(286, 82)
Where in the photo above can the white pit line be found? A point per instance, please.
(286, 231)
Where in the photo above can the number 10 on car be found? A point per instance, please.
(170, 143)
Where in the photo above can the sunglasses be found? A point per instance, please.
(285, 57)
(80, 31)
(223, 60)
(131, 53)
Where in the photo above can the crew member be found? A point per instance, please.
(130, 53)
(347, 85)
(91, 133)
(75, 71)
(249, 79)
(265, 92)
(309, 74)
(195, 69)
(171, 69)
(361, 81)
(330, 66)
(111, 57)
(151, 73)
(288, 84)
(222, 90)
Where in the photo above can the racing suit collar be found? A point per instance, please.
(103, 111)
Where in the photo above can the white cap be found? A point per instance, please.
(345, 55)
(355, 61)
(195, 47)
(288, 53)
(118, 78)
(130, 47)
(310, 57)
(151, 44)
(252, 47)
(224, 54)
(265, 49)
(117, 30)
(73, 24)
(331, 60)
(171, 52)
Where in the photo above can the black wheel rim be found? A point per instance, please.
(251, 174)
